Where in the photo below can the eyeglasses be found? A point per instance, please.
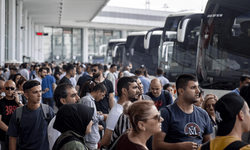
(93, 70)
(157, 117)
(209, 105)
(8, 88)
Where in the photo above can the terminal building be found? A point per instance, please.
(66, 30)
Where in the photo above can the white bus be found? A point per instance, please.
(110, 54)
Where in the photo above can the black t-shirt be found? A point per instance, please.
(103, 105)
(64, 80)
(82, 80)
(7, 107)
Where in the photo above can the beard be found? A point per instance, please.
(96, 75)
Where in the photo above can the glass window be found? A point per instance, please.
(47, 49)
(77, 47)
(6, 29)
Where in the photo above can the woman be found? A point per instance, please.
(20, 92)
(145, 121)
(170, 89)
(16, 77)
(57, 74)
(201, 100)
(74, 121)
(208, 105)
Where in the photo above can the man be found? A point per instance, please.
(185, 126)
(65, 93)
(79, 72)
(24, 72)
(13, 71)
(111, 75)
(159, 74)
(69, 75)
(49, 83)
(41, 74)
(2, 82)
(127, 90)
(108, 101)
(244, 81)
(106, 71)
(161, 97)
(126, 72)
(85, 77)
(145, 81)
(97, 94)
(233, 119)
(70, 72)
(32, 123)
(7, 106)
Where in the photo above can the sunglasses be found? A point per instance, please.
(208, 106)
(157, 117)
(94, 70)
(8, 88)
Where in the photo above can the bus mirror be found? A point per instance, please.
(132, 51)
(147, 39)
(182, 30)
(114, 52)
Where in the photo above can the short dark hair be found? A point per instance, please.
(167, 85)
(159, 71)
(2, 79)
(64, 67)
(24, 65)
(69, 68)
(30, 84)
(124, 82)
(182, 81)
(101, 87)
(100, 67)
(113, 65)
(138, 72)
(105, 67)
(61, 92)
(41, 69)
(14, 69)
(244, 77)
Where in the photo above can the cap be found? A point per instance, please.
(226, 110)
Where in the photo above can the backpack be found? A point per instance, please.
(236, 145)
(45, 109)
(58, 146)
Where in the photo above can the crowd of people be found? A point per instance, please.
(94, 106)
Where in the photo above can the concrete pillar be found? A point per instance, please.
(33, 50)
(2, 31)
(12, 29)
(19, 30)
(25, 32)
(85, 44)
(124, 33)
(29, 37)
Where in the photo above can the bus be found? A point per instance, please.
(224, 45)
(110, 54)
(168, 39)
(137, 55)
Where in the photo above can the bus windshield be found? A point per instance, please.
(181, 58)
(224, 47)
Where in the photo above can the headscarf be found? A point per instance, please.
(74, 117)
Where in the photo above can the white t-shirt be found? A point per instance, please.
(113, 116)
(39, 80)
(53, 134)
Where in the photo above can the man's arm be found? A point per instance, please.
(207, 138)
(54, 86)
(12, 143)
(111, 100)
(159, 144)
(106, 138)
(3, 126)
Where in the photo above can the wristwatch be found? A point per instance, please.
(20, 102)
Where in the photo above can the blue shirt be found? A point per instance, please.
(236, 91)
(181, 127)
(146, 84)
(163, 100)
(163, 80)
(48, 83)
